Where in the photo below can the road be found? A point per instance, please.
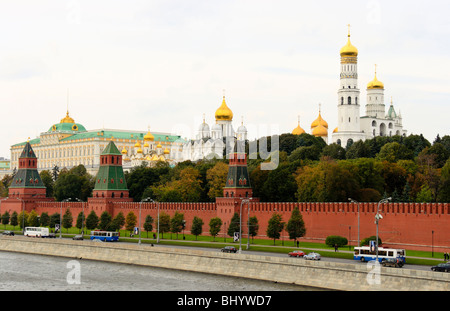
(331, 259)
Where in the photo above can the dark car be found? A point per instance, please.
(442, 267)
(229, 249)
(8, 233)
(392, 262)
(78, 237)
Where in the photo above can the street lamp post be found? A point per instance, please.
(240, 223)
(377, 219)
(157, 205)
(357, 203)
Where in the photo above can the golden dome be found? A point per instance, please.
(146, 145)
(319, 121)
(137, 145)
(67, 119)
(149, 136)
(336, 130)
(159, 146)
(349, 49)
(298, 130)
(124, 151)
(320, 131)
(224, 113)
(375, 83)
(139, 150)
(166, 151)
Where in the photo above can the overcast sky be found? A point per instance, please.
(133, 64)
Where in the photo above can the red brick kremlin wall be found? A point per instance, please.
(407, 225)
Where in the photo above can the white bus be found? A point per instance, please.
(367, 253)
(40, 232)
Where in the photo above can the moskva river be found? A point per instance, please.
(26, 272)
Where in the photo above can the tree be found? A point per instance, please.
(392, 152)
(118, 222)
(216, 177)
(55, 218)
(105, 221)
(130, 221)
(5, 218)
(177, 223)
(81, 221)
(253, 227)
(215, 225)
(67, 220)
(33, 220)
(47, 179)
(275, 226)
(14, 219)
(197, 226)
(92, 221)
(148, 224)
(296, 226)
(234, 225)
(44, 220)
(336, 241)
(164, 223)
(23, 219)
(334, 151)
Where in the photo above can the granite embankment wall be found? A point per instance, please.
(325, 275)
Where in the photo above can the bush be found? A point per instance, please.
(334, 240)
(365, 242)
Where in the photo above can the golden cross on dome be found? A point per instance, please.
(223, 93)
(349, 30)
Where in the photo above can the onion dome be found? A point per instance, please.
(137, 145)
(139, 150)
(298, 130)
(349, 49)
(124, 150)
(166, 151)
(146, 145)
(149, 136)
(320, 131)
(336, 130)
(224, 113)
(159, 146)
(375, 83)
(319, 121)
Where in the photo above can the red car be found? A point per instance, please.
(297, 253)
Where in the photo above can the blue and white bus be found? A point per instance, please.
(367, 253)
(105, 236)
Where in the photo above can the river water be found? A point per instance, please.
(27, 272)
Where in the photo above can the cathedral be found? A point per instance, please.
(211, 142)
(352, 126)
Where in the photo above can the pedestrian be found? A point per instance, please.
(335, 247)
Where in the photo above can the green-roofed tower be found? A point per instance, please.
(26, 182)
(110, 181)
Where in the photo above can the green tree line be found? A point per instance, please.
(408, 169)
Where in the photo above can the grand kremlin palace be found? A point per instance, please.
(68, 144)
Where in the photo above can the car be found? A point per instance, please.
(78, 237)
(442, 267)
(7, 232)
(312, 256)
(229, 249)
(392, 262)
(297, 253)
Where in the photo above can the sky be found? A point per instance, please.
(140, 64)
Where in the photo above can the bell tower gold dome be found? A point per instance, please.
(349, 50)
(375, 83)
(224, 113)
